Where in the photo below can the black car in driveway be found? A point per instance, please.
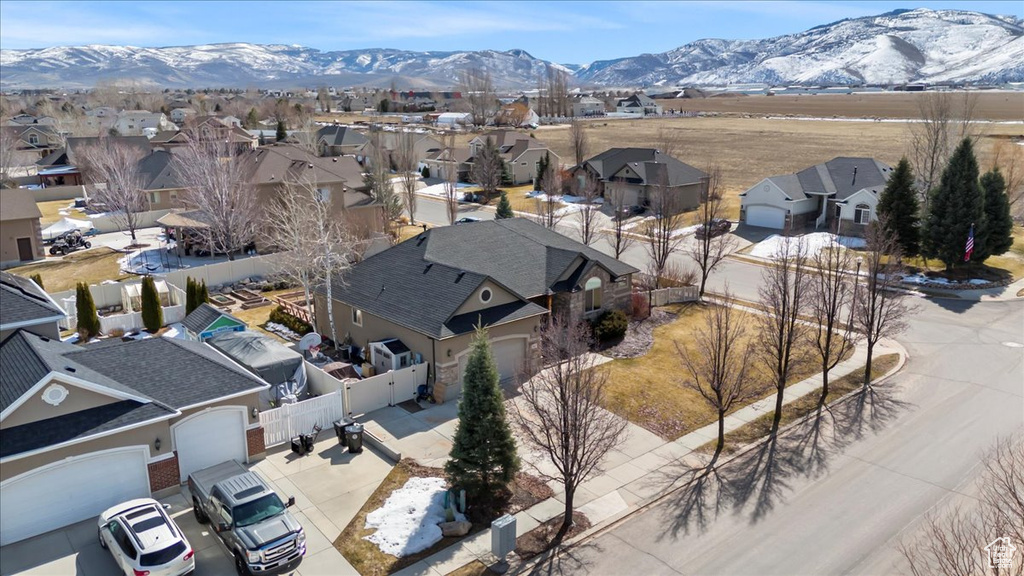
(718, 227)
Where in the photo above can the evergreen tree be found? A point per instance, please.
(190, 295)
(202, 294)
(85, 309)
(955, 205)
(542, 168)
(282, 132)
(217, 108)
(504, 207)
(152, 312)
(998, 223)
(252, 120)
(38, 279)
(898, 204)
(483, 457)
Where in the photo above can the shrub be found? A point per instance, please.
(38, 279)
(640, 306)
(85, 308)
(152, 312)
(279, 316)
(610, 326)
(425, 172)
(190, 295)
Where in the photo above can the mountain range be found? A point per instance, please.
(921, 45)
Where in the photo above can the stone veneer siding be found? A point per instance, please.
(615, 295)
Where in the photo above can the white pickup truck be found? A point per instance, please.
(249, 517)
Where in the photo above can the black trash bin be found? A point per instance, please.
(354, 436)
(339, 430)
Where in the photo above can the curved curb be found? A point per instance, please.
(618, 519)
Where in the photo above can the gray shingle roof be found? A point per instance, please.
(652, 166)
(340, 136)
(422, 282)
(840, 177)
(201, 318)
(158, 171)
(22, 300)
(78, 425)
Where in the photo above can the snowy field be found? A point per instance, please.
(407, 523)
(813, 243)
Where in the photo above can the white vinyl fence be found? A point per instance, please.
(367, 395)
(290, 420)
(227, 272)
(106, 295)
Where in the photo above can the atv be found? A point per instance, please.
(69, 243)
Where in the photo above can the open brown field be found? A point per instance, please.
(990, 105)
(749, 149)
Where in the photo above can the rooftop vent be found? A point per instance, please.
(70, 369)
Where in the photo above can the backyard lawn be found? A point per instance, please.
(91, 266)
(51, 211)
(649, 390)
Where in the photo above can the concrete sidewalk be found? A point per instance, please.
(634, 472)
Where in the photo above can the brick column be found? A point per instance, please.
(164, 474)
(256, 442)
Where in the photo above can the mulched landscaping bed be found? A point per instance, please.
(640, 335)
(538, 540)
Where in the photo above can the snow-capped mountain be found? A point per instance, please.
(896, 47)
(901, 46)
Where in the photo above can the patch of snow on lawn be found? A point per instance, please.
(920, 279)
(438, 190)
(176, 330)
(407, 522)
(774, 245)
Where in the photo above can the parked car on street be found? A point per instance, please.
(718, 227)
(467, 220)
(144, 540)
(249, 517)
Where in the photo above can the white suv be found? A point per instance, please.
(144, 541)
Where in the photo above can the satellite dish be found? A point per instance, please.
(310, 340)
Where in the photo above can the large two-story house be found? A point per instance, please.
(639, 173)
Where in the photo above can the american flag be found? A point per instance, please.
(970, 245)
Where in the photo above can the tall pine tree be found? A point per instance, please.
(483, 457)
(955, 205)
(898, 204)
(998, 223)
(152, 312)
(282, 131)
(504, 207)
(202, 294)
(542, 168)
(190, 295)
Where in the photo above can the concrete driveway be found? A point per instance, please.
(329, 486)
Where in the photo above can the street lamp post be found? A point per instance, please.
(853, 303)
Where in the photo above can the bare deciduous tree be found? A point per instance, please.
(944, 122)
(952, 542)
(478, 93)
(377, 178)
(615, 198)
(707, 249)
(8, 155)
(670, 142)
(549, 209)
(559, 412)
(586, 215)
(718, 364)
(217, 185)
(451, 177)
(405, 158)
(488, 168)
(314, 244)
(113, 167)
(783, 294)
(880, 308)
(831, 293)
(579, 141)
(662, 240)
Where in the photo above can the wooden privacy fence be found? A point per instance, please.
(290, 420)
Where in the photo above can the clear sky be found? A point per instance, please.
(567, 32)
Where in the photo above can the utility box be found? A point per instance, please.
(503, 536)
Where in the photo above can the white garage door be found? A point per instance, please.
(210, 438)
(508, 357)
(766, 217)
(70, 491)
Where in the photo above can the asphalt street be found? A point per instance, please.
(836, 494)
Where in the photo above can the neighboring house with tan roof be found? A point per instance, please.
(21, 238)
(338, 179)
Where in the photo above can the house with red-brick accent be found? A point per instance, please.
(83, 428)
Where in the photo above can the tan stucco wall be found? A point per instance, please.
(499, 296)
(11, 230)
(248, 401)
(35, 409)
(166, 199)
(524, 174)
(373, 329)
(143, 436)
(457, 344)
